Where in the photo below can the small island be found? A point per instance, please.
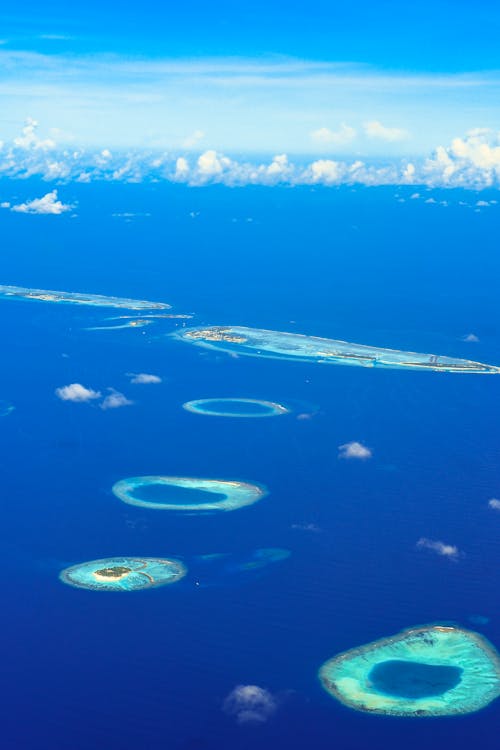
(235, 407)
(255, 342)
(187, 494)
(123, 573)
(434, 670)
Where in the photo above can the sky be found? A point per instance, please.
(363, 82)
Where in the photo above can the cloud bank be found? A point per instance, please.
(472, 162)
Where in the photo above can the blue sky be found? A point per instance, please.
(432, 36)
(329, 80)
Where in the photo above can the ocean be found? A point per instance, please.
(153, 669)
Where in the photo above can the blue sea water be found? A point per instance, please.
(152, 669)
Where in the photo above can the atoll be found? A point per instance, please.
(187, 494)
(292, 346)
(235, 407)
(77, 298)
(123, 573)
(433, 670)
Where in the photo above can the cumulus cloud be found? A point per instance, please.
(326, 171)
(375, 129)
(354, 450)
(114, 400)
(440, 548)
(144, 378)
(30, 140)
(471, 161)
(250, 704)
(327, 137)
(47, 204)
(470, 338)
(209, 164)
(181, 169)
(76, 392)
(494, 504)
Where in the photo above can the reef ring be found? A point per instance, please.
(434, 670)
(232, 494)
(252, 407)
(123, 573)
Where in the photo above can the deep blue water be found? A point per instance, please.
(413, 680)
(152, 669)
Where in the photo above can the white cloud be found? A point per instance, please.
(326, 171)
(354, 450)
(114, 400)
(181, 169)
(209, 164)
(47, 204)
(409, 173)
(144, 378)
(470, 338)
(471, 161)
(375, 129)
(193, 139)
(250, 704)
(494, 503)
(30, 140)
(279, 167)
(76, 392)
(446, 550)
(327, 137)
(5, 204)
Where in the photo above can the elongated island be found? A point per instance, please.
(434, 670)
(78, 298)
(256, 342)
